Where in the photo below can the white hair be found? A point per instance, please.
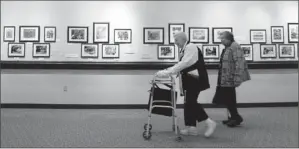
(182, 35)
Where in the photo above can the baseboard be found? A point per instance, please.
(131, 65)
(137, 106)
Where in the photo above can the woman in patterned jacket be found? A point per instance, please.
(233, 71)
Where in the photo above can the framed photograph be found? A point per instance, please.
(29, 33)
(217, 32)
(258, 36)
(89, 50)
(277, 34)
(77, 34)
(268, 51)
(50, 34)
(166, 52)
(293, 32)
(41, 50)
(248, 51)
(110, 51)
(199, 34)
(16, 50)
(122, 36)
(173, 29)
(101, 32)
(153, 35)
(210, 51)
(286, 51)
(9, 34)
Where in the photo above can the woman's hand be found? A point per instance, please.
(162, 73)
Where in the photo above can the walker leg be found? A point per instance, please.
(175, 118)
(177, 131)
(147, 134)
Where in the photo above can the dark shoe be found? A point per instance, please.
(225, 121)
(234, 122)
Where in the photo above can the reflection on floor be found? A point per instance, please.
(263, 127)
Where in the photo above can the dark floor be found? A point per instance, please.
(263, 127)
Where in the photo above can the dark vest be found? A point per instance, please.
(196, 83)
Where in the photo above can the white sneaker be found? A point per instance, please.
(189, 130)
(211, 128)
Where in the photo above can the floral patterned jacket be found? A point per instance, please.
(234, 67)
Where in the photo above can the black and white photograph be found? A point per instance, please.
(258, 36)
(173, 28)
(199, 34)
(210, 51)
(50, 34)
(149, 74)
(9, 34)
(89, 50)
(277, 34)
(77, 34)
(29, 33)
(41, 50)
(268, 51)
(286, 51)
(16, 50)
(293, 32)
(110, 51)
(248, 51)
(166, 52)
(101, 32)
(216, 32)
(153, 35)
(122, 36)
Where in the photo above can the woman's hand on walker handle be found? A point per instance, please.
(162, 73)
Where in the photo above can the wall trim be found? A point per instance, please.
(136, 106)
(130, 65)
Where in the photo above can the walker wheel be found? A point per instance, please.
(179, 139)
(147, 136)
(150, 127)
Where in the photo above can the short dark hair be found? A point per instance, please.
(229, 35)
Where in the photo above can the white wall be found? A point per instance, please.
(130, 87)
(240, 15)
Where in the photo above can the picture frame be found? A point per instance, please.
(211, 51)
(122, 36)
(258, 36)
(199, 34)
(50, 34)
(110, 50)
(16, 50)
(216, 32)
(9, 34)
(293, 32)
(166, 51)
(154, 35)
(41, 50)
(268, 51)
(77, 34)
(277, 34)
(29, 33)
(89, 50)
(286, 51)
(101, 32)
(248, 51)
(173, 28)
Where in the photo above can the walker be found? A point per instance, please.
(169, 82)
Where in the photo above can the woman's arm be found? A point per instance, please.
(238, 61)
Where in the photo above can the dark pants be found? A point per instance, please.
(232, 106)
(193, 111)
(227, 96)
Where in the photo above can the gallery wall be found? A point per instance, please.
(135, 15)
(130, 87)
